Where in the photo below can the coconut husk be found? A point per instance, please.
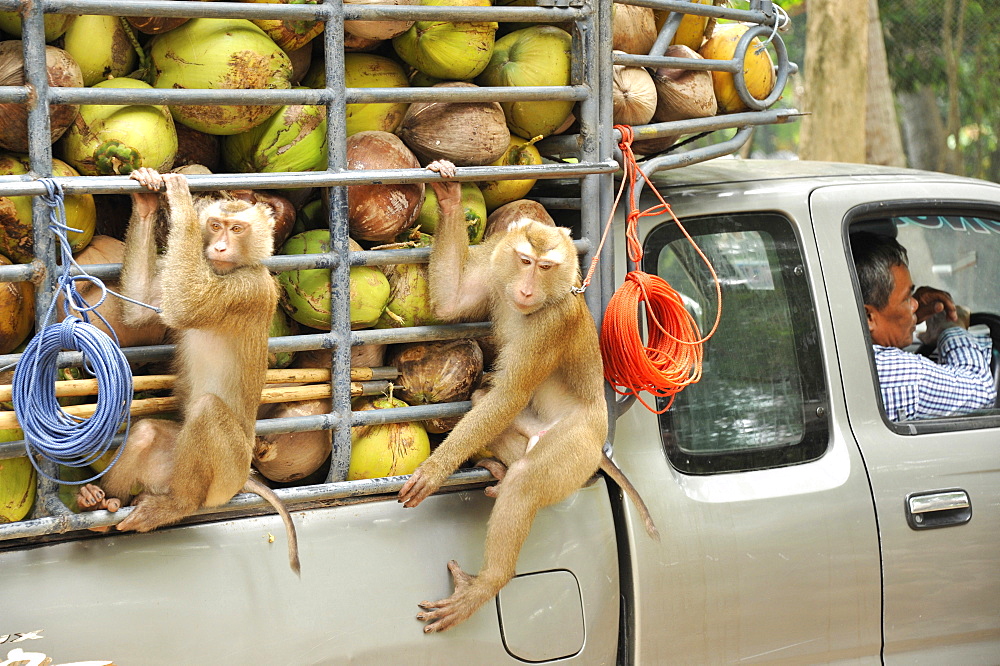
(503, 216)
(654, 146)
(633, 96)
(633, 29)
(682, 94)
(362, 356)
(377, 30)
(154, 25)
(292, 456)
(436, 372)
(356, 44)
(464, 133)
(62, 72)
(194, 147)
(379, 212)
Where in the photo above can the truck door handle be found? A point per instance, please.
(938, 508)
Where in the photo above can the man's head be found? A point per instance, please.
(886, 288)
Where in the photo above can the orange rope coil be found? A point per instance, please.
(671, 359)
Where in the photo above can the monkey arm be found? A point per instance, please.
(139, 277)
(459, 286)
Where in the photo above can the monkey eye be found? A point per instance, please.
(236, 228)
(545, 266)
(526, 260)
(215, 226)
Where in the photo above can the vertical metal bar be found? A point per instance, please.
(40, 163)
(586, 71)
(340, 305)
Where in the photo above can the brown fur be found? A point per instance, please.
(548, 384)
(219, 300)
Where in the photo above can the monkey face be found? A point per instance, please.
(236, 234)
(540, 263)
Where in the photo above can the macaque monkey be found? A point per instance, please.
(544, 417)
(218, 299)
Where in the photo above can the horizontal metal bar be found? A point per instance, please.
(284, 180)
(317, 12)
(712, 11)
(307, 96)
(289, 496)
(700, 64)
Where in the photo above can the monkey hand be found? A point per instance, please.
(470, 594)
(443, 167)
(448, 193)
(146, 203)
(423, 483)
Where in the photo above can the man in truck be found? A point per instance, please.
(914, 386)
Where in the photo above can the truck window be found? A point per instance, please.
(761, 401)
(958, 253)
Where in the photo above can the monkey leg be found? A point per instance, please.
(211, 463)
(147, 461)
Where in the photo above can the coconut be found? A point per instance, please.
(536, 56)
(633, 95)
(453, 51)
(522, 209)
(682, 94)
(62, 72)
(219, 54)
(16, 238)
(473, 205)
(691, 31)
(496, 193)
(388, 449)
(363, 70)
(355, 44)
(410, 300)
(306, 296)
(154, 25)
(293, 139)
(362, 356)
(377, 30)
(17, 482)
(464, 133)
(116, 139)
(55, 24)
(633, 29)
(435, 372)
(107, 250)
(654, 146)
(282, 209)
(281, 325)
(758, 68)
(101, 46)
(194, 147)
(378, 212)
(301, 59)
(290, 34)
(17, 311)
(292, 456)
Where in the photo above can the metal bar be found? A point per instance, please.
(712, 11)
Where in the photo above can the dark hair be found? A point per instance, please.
(874, 256)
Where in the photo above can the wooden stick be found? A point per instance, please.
(149, 406)
(81, 387)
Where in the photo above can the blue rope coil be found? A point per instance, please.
(49, 431)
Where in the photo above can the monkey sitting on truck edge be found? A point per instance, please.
(219, 299)
(544, 417)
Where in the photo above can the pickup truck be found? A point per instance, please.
(799, 524)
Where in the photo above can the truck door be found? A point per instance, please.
(936, 481)
(769, 549)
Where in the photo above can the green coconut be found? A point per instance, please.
(111, 140)
(537, 56)
(388, 449)
(17, 482)
(55, 24)
(410, 300)
(496, 193)
(473, 204)
(364, 70)
(306, 296)
(16, 238)
(281, 325)
(293, 139)
(101, 46)
(453, 51)
(220, 54)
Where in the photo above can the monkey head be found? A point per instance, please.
(236, 233)
(536, 264)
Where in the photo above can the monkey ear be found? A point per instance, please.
(568, 233)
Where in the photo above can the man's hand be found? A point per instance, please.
(931, 301)
(937, 323)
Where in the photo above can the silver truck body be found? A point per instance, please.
(763, 560)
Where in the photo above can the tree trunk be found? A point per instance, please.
(923, 130)
(883, 142)
(836, 81)
(952, 41)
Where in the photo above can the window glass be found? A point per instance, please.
(757, 403)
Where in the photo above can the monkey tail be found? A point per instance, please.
(258, 488)
(611, 469)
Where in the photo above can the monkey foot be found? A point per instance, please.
(152, 511)
(92, 498)
(466, 600)
(497, 469)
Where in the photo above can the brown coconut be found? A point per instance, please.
(355, 44)
(107, 250)
(377, 30)
(362, 356)
(654, 146)
(154, 25)
(378, 212)
(633, 29)
(503, 216)
(682, 94)
(292, 456)
(194, 147)
(63, 72)
(633, 95)
(435, 372)
(17, 311)
(465, 133)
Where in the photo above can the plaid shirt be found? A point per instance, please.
(915, 387)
